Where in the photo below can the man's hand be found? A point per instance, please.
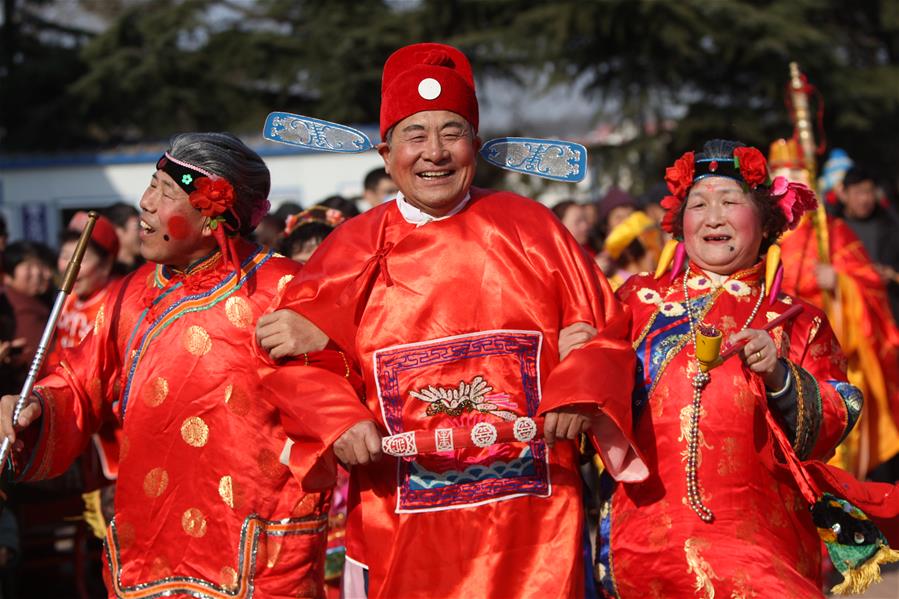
(29, 413)
(826, 276)
(360, 445)
(285, 333)
(573, 337)
(564, 423)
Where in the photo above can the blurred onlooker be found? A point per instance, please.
(4, 234)
(305, 231)
(378, 188)
(614, 207)
(875, 225)
(82, 306)
(650, 202)
(634, 247)
(26, 275)
(830, 183)
(574, 217)
(344, 206)
(268, 231)
(126, 220)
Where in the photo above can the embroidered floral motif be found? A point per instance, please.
(737, 288)
(700, 568)
(699, 283)
(187, 179)
(649, 296)
(672, 309)
(472, 397)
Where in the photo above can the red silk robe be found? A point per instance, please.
(457, 322)
(762, 542)
(205, 505)
(865, 329)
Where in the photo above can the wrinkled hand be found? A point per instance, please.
(826, 276)
(760, 355)
(29, 413)
(359, 445)
(284, 333)
(564, 423)
(573, 337)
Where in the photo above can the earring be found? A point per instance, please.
(774, 272)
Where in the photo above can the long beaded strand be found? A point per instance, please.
(700, 380)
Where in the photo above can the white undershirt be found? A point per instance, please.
(418, 217)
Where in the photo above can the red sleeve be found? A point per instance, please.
(585, 296)
(828, 406)
(76, 398)
(317, 399)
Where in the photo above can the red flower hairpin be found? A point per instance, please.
(793, 199)
(212, 197)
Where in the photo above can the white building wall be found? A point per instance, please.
(33, 196)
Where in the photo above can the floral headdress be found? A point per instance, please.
(748, 166)
(316, 214)
(213, 196)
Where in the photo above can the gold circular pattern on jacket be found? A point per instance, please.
(231, 492)
(237, 400)
(197, 341)
(269, 463)
(124, 447)
(228, 578)
(283, 281)
(125, 534)
(239, 312)
(194, 522)
(159, 568)
(155, 392)
(194, 431)
(155, 482)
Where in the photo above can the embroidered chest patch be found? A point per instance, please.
(489, 376)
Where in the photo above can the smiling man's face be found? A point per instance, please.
(432, 156)
(172, 231)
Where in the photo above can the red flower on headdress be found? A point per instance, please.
(793, 199)
(671, 204)
(212, 197)
(679, 177)
(752, 166)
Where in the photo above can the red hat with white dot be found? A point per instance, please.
(423, 77)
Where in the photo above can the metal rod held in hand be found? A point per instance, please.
(68, 281)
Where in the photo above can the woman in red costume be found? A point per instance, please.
(720, 515)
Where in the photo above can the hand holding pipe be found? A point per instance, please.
(68, 281)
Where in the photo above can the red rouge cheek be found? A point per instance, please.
(178, 227)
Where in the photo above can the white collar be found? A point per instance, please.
(418, 217)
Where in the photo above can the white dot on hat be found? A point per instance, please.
(429, 88)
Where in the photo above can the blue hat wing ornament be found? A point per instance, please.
(314, 134)
(548, 158)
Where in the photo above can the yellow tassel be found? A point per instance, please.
(772, 261)
(857, 581)
(666, 257)
(93, 513)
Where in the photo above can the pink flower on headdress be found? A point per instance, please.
(260, 209)
(793, 199)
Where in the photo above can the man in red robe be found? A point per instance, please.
(450, 300)
(859, 313)
(206, 502)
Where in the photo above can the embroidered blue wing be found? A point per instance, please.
(548, 158)
(314, 134)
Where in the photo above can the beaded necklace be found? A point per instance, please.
(700, 380)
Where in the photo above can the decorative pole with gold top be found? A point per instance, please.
(37, 363)
(801, 118)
